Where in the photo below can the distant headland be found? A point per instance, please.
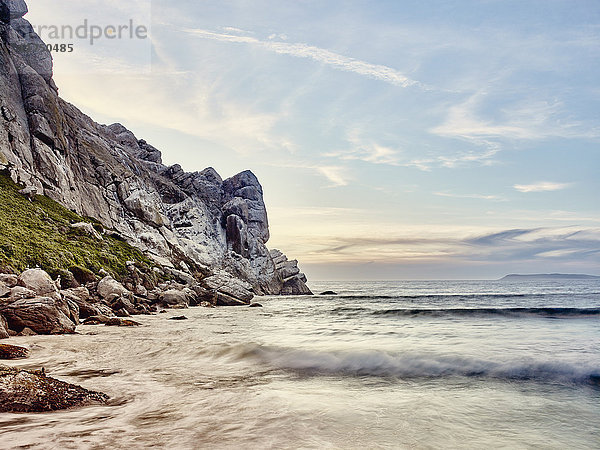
(548, 276)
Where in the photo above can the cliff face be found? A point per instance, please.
(186, 222)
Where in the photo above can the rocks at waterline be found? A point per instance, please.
(35, 304)
(328, 293)
(33, 391)
(42, 315)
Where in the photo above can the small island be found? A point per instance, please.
(548, 276)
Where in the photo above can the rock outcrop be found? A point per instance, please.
(294, 282)
(33, 391)
(193, 223)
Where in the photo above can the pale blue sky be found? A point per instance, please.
(394, 139)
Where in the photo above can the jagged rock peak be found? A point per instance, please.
(12, 9)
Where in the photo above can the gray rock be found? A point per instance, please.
(85, 309)
(109, 288)
(43, 315)
(173, 298)
(225, 284)
(227, 300)
(39, 282)
(123, 304)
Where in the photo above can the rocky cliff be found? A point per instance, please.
(192, 224)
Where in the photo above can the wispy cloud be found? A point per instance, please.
(529, 120)
(534, 245)
(299, 50)
(473, 196)
(373, 153)
(337, 175)
(542, 186)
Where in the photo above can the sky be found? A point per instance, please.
(393, 139)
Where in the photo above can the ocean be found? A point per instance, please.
(402, 365)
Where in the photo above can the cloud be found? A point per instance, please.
(337, 175)
(373, 153)
(542, 186)
(474, 196)
(341, 62)
(526, 120)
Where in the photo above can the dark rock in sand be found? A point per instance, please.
(328, 293)
(256, 305)
(12, 352)
(178, 318)
(118, 322)
(33, 391)
(96, 320)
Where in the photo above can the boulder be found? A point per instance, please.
(173, 298)
(79, 297)
(43, 315)
(227, 300)
(123, 303)
(109, 288)
(12, 352)
(232, 287)
(328, 293)
(27, 391)
(203, 295)
(178, 318)
(39, 282)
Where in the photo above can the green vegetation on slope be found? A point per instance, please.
(38, 233)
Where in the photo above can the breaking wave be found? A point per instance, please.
(545, 312)
(406, 366)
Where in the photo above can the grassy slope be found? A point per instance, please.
(38, 233)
